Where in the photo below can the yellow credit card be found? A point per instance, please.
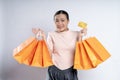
(82, 24)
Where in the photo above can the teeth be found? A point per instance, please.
(82, 24)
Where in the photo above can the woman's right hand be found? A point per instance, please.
(38, 32)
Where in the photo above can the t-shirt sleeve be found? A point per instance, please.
(50, 42)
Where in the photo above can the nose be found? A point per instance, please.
(59, 23)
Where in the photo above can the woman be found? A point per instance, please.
(61, 44)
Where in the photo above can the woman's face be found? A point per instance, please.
(61, 22)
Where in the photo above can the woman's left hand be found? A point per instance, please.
(83, 32)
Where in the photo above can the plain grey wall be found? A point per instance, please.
(1, 37)
(17, 17)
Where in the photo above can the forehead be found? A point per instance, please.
(60, 16)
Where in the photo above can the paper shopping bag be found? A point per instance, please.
(42, 56)
(33, 53)
(47, 61)
(89, 54)
(81, 60)
(25, 50)
(99, 50)
(38, 56)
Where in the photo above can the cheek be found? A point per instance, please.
(57, 25)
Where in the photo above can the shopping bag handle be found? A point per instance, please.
(38, 35)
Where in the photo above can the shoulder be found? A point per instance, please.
(51, 33)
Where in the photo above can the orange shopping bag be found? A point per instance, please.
(25, 49)
(37, 59)
(32, 52)
(46, 58)
(89, 54)
(42, 56)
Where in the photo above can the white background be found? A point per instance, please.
(17, 17)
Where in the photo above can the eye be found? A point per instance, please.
(56, 20)
(62, 20)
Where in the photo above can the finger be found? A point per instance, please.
(34, 31)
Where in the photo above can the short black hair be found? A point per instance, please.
(62, 12)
